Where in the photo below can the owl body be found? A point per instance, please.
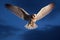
(32, 23)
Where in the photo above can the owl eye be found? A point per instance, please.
(34, 15)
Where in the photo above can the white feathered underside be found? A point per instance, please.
(45, 11)
(31, 26)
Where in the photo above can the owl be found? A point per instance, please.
(31, 19)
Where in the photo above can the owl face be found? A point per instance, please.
(33, 18)
(34, 15)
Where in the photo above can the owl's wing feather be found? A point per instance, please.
(44, 11)
(20, 12)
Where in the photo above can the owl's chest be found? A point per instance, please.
(33, 19)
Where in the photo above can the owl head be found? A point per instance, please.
(34, 15)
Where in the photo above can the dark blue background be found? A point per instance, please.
(12, 27)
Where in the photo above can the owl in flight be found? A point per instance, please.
(20, 12)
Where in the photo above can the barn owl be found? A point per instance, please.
(20, 12)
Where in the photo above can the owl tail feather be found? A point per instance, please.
(31, 26)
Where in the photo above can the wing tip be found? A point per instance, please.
(52, 4)
(7, 5)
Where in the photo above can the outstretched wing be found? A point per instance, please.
(44, 11)
(18, 11)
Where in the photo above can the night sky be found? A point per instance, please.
(12, 27)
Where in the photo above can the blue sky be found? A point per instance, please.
(12, 27)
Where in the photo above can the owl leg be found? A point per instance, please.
(31, 24)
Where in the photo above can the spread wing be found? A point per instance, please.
(44, 11)
(18, 11)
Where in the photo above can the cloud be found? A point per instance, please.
(53, 34)
(6, 31)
